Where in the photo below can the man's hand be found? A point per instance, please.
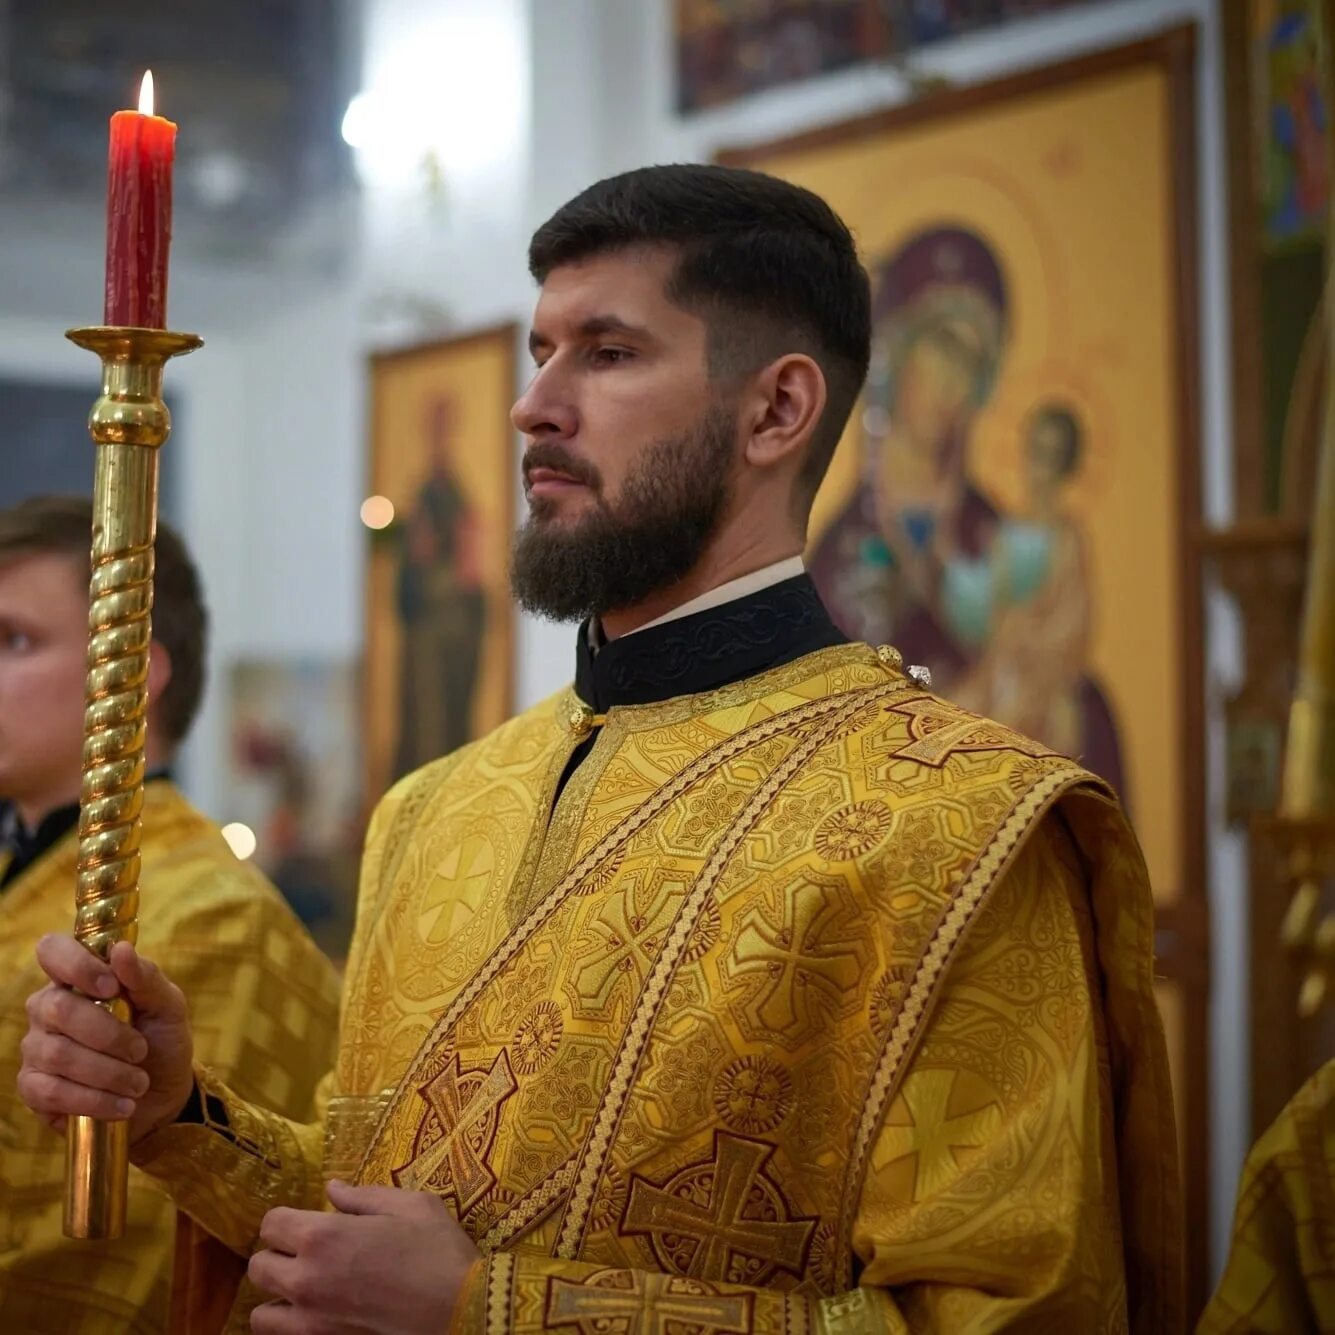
(390, 1262)
(80, 1060)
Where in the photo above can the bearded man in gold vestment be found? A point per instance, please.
(263, 998)
(743, 986)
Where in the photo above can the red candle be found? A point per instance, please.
(139, 214)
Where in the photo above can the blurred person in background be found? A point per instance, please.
(262, 998)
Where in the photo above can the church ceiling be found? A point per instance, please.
(258, 88)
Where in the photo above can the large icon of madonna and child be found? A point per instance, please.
(995, 601)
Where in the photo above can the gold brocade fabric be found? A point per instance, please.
(263, 1002)
(1280, 1275)
(817, 1004)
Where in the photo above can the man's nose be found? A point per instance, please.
(543, 412)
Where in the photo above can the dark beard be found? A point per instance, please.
(616, 557)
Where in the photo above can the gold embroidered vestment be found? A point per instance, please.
(817, 1004)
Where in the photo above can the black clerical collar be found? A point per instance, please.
(707, 649)
(25, 847)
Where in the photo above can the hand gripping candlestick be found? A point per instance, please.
(129, 423)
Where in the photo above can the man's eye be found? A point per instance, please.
(610, 356)
(16, 641)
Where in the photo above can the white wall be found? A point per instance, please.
(272, 469)
(452, 76)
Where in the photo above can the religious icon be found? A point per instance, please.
(1277, 162)
(438, 610)
(1033, 672)
(441, 601)
(292, 785)
(995, 603)
(1293, 174)
(728, 48)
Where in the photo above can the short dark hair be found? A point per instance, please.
(769, 266)
(63, 525)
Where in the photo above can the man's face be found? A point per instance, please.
(630, 451)
(43, 657)
(619, 368)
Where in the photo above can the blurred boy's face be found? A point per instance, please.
(43, 658)
(1049, 461)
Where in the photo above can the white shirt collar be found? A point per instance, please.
(742, 587)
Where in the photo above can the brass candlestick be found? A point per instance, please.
(128, 424)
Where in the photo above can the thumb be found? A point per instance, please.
(148, 989)
(348, 1199)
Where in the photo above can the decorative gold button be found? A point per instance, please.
(891, 657)
(581, 720)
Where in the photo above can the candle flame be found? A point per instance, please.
(146, 94)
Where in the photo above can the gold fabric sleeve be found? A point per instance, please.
(244, 1159)
(991, 1193)
(228, 1171)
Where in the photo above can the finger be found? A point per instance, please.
(66, 962)
(54, 1054)
(52, 1095)
(60, 1011)
(150, 991)
(273, 1273)
(286, 1230)
(381, 1200)
(277, 1319)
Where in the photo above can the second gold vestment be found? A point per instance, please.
(263, 1003)
(1280, 1276)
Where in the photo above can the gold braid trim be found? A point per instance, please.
(927, 979)
(599, 1141)
(609, 844)
(500, 1293)
(531, 1209)
(349, 1120)
(796, 1315)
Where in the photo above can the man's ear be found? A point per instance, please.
(786, 401)
(159, 670)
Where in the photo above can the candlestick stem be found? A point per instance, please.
(129, 423)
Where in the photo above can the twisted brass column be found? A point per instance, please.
(128, 424)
